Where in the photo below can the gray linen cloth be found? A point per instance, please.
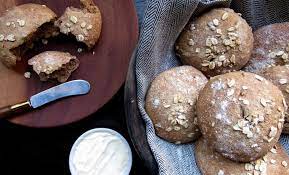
(162, 23)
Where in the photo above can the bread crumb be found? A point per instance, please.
(192, 27)
(44, 41)
(79, 50)
(27, 75)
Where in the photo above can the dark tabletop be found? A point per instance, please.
(45, 151)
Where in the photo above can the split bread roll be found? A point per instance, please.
(54, 65)
(85, 23)
(20, 26)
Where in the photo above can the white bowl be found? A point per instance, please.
(126, 170)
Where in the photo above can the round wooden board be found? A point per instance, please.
(105, 70)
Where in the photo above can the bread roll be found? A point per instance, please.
(170, 103)
(271, 47)
(275, 162)
(217, 42)
(20, 26)
(85, 23)
(241, 115)
(279, 76)
(54, 65)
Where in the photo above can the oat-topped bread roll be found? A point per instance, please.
(54, 65)
(217, 42)
(84, 24)
(241, 114)
(271, 47)
(20, 26)
(279, 75)
(275, 162)
(170, 103)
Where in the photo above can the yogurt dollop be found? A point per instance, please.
(100, 152)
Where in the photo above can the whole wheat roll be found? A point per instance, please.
(271, 47)
(170, 103)
(217, 42)
(279, 76)
(275, 162)
(241, 115)
(20, 26)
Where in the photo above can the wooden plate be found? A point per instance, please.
(105, 70)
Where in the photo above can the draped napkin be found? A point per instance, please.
(161, 25)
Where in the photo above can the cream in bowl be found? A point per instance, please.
(100, 151)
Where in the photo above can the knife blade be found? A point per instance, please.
(71, 88)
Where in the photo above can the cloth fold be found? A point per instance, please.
(162, 23)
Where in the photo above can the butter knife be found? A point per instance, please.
(71, 88)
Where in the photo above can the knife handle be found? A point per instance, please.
(10, 111)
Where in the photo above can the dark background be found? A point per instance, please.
(45, 151)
